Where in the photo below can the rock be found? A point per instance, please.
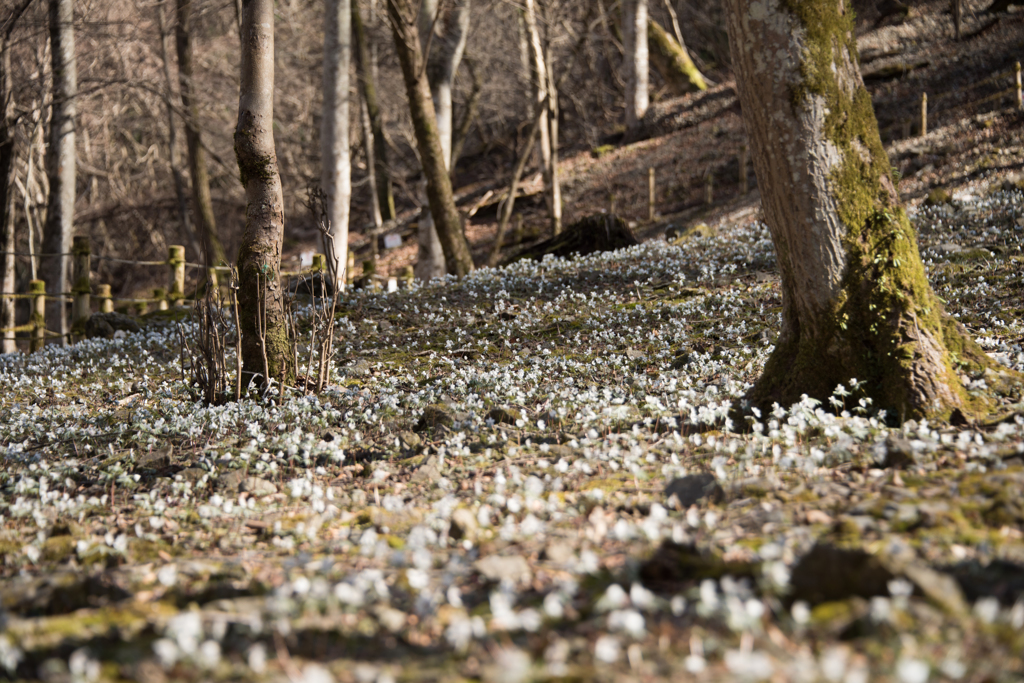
(512, 568)
(433, 417)
(411, 440)
(317, 284)
(941, 589)
(505, 415)
(231, 480)
(463, 525)
(899, 454)
(828, 573)
(429, 472)
(155, 460)
(694, 488)
(699, 230)
(938, 196)
(600, 232)
(192, 474)
(559, 552)
(679, 566)
(106, 324)
(258, 486)
(359, 368)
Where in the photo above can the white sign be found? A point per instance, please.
(393, 240)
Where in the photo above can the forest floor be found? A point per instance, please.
(531, 474)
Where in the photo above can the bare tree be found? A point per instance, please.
(202, 203)
(545, 97)
(7, 156)
(366, 68)
(265, 349)
(442, 65)
(635, 62)
(173, 156)
(335, 161)
(856, 300)
(421, 107)
(60, 210)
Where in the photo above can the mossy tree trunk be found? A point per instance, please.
(202, 202)
(673, 61)
(261, 306)
(60, 209)
(856, 301)
(446, 217)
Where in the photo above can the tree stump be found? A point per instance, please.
(600, 232)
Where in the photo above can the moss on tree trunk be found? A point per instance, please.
(856, 300)
(672, 61)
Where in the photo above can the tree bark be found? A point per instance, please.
(265, 349)
(545, 93)
(60, 210)
(201, 201)
(673, 62)
(8, 154)
(634, 30)
(335, 160)
(442, 66)
(173, 156)
(365, 69)
(439, 187)
(856, 301)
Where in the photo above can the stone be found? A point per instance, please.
(433, 417)
(899, 454)
(512, 568)
(429, 472)
(106, 324)
(463, 525)
(694, 488)
(559, 552)
(231, 481)
(941, 589)
(411, 440)
(155, 460)
(258, 486)
(505, 415)
(828, 573)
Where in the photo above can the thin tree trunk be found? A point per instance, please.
(60, 211)
(538, 77)
(335, 161)
(634, 33)
(441, 70)
(265, 349)
(469, 115)
(856, 300)
(439, 187)
(554, 179)
(8, 154)
(366, 71)
(173, 155)
(202, 203)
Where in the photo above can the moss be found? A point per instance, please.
(938, 196)
(58, 548)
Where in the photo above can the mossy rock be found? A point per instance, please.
(107, 325)
(434, 417)
(938, 196)
(677, 236)
(602, 150)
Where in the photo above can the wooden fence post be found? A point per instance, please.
(924, 114)
(37, 288)
(81, 287)
(709, 187)
(650, 194)
(103, 294)
(319, 263)
(176, 262)
(1020, 92)
(160, 294)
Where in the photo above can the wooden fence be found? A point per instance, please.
(81, 295)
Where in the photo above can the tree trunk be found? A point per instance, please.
(441, 70)
(201, 201)
(173, 156)
(265, 350)
(856, 301)
(335, 161)
(545, 93)
(634, 30)
(7, 157)
(439, 187)
(673, 62)
(366, 70)
(469, 115)
(60, 210)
